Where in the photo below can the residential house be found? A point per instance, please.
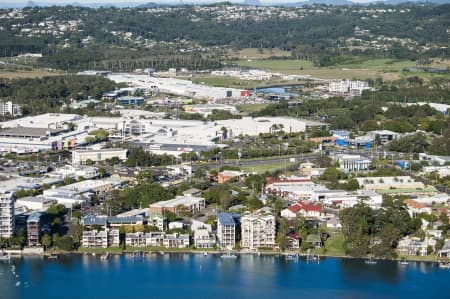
(415, 208)
(445, 251)
(315, 240)
(302, 209)
(228, 175)
(293, 242)
(414, 246)
(334, 223)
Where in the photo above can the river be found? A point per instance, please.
(198, 276)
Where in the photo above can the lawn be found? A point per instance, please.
(255, 53)
(335, 244)
(100, 250)
(265, 167)
(250, 108)
(225, 82)
(388, 69)
(9, 73)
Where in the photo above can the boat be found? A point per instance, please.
(291, 257)
(228, 254)
(370, 261)
(161, 252)
(52, 257)
(205, 253)
(105, 256)
(444, 265)
(403, 261)
(5, 257)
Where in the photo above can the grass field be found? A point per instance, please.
(261, 168)
(7, 73)
(335, 245)
(388, 69)
(225, 82)
(250, 108)
(254, 53)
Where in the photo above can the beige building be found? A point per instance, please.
(191, 203)
(157, 239)
(101, 239)
(257, 231)
(81, 156)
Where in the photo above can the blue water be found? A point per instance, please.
(196, 276)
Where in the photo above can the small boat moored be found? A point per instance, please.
(105, 256)
(291, 257)
(370, 261)
(5, 257)
(404, 262)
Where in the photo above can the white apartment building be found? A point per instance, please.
(257, 231)
(226, 230)
(8, 108)
(203, 238)
(7, 223)
(157, 239)
(353, 88)
(101, 239)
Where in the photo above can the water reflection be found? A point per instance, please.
(197, 276)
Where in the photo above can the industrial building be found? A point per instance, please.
(96, 155)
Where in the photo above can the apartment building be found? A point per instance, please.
(226, 229)
(203, 238)
(191, 203)
(101, 239)
(257, 231)
(34, 229)
(157, 239)
(347, 87)
(7, 223)
(8, 108)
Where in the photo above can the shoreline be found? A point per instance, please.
(161, 251)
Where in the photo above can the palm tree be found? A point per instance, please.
(46, 241)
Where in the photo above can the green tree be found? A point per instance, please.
(46, 241)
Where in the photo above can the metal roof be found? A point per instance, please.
(226, 219)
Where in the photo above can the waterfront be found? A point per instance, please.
(198, 276)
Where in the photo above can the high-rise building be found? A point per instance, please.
(226, 229)
(8, 108)
(257, 231)
(34, 229)
(7, 223)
